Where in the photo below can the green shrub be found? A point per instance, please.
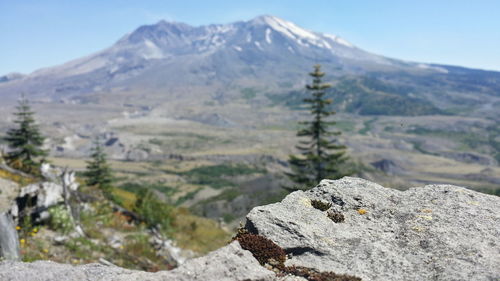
(138, 245)
(188, 196)
(60, 219)
(153, 211)
(214, 175)
(136, 187)
(248, 93)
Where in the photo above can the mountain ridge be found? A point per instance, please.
(265, 52)
(165, 40)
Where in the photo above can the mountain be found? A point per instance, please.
(211, 98)
(266, 52)
(178, 53)
(10, 77)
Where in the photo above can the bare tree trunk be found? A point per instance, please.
(73, 212)
(9, 241)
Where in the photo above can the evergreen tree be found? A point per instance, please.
(320, 155)
(25, 141)
(98, 171)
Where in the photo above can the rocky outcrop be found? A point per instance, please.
(436, 232)
(225, 264)
(35, 199)
(349, 226)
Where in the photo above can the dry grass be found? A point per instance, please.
(126, 198)
(198, 234)
(16, 178)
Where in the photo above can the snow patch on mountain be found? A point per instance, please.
(220, 28)
(288, 28)
(268, 36)
(427, 66)
(300, 35)
(152, 51)
(338, 40)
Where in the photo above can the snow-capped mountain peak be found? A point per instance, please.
(338, 40)
(288, 28)
(239, 45)
(298, 34)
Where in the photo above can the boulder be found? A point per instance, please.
(436, 232)
(34, 199)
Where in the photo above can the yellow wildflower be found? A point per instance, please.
(18, 227)
(361, 211)
(22, 241)
(45, 251)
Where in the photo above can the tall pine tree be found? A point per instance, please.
(98, 171)
(25, 141)
(320, 154)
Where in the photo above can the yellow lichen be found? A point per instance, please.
(418, 228)
(425, 217)
(305, 201)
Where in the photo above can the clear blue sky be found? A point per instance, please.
(41, 33)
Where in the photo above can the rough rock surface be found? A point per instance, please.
(228, 263)
(436, 232)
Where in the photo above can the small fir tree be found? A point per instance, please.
(25, 141)
(320, 155)
(98, 171)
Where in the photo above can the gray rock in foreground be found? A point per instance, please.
(228, 263)
(436, 232)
